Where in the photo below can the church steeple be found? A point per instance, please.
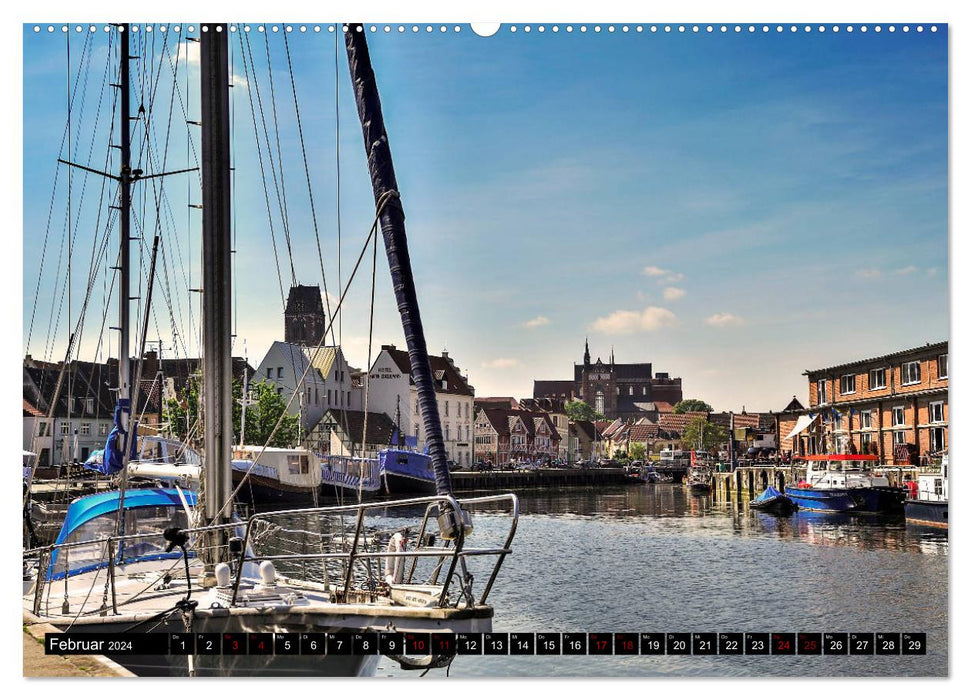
(611, 355)
(586, 352)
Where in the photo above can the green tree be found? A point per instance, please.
(264, 412)
(699, 431)
(182, 413)
(581, 410)
(689, 405)
(637, 451)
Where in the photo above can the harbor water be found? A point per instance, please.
(657, 558)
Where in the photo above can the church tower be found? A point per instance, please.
(586, 352)
(304, 318)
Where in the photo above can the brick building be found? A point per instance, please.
(613, 389)
(894, 406)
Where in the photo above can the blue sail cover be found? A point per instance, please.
(113, 458)
(417, 465)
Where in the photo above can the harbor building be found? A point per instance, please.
(345, 432)
(894, 406)
(67, 423)
(392, 391)
(616, 390)
(330, 383)
(504, 435)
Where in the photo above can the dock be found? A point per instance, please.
(519, 479)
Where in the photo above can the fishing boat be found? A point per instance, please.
(178, 560)
(276, 476)
(844, 483)
(928, 502)
(405, 472)
(773, 501)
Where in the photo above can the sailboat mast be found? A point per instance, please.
(124, 224)
(392, 221)
(216, 271)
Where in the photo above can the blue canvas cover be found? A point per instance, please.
(767, 495)
(87, 508)
(417, 465)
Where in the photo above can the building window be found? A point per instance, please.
(937, 440)
(446, 408)
(865, 419)
(910, 373)
(821, 391)
(41, 427)
(89, 405)
(900, 437)
(103, 429)
(65, 428)
(942, 366)
(878, 378)
(269, 373)
(632, 391)
(85, 429)
(598, 401)
(897, 415)
(866, 439)
(837, 420)
(848, 384)
(279, 373)
(936, 412)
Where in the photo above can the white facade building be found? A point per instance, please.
(393, 393)
(330, 383)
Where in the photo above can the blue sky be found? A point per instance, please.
(733, 208)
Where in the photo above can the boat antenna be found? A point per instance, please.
(392, 220)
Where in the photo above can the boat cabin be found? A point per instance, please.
(843, 471)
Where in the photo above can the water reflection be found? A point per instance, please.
(700, 512)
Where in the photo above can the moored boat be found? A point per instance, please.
(928, 501)
(843, 483)
(276, 475)
(773, 501)
(698, 480)
(405, 472)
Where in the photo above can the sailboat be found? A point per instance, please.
(172, 560)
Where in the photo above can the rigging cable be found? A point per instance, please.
(269, 153)
(259, 152)
(379, 209)
(310, 191)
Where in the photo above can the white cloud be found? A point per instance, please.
(674, 277)
(536, 322)
(723, 319)
(664, 275)
(627, 322)
(672, 293)
(906, 270)
(654, 271)
(239, 80)
(501, 363)
(868, 273)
